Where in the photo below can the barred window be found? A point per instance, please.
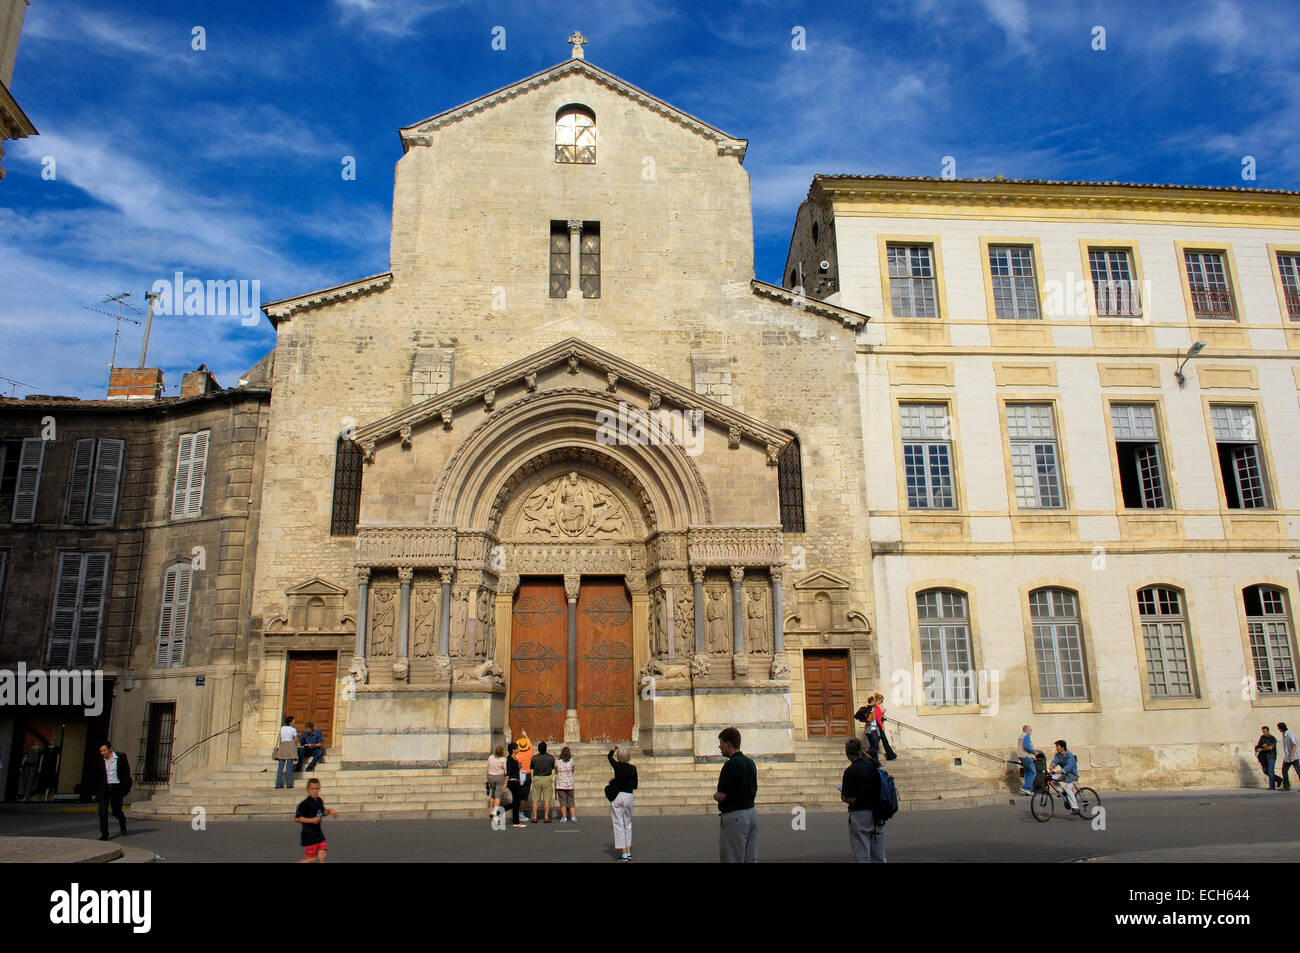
(589, 260)
(347, 488)
(1058, 645)
(789, 477)
(1034, 457)
(575, 135)
(1207, 280)
(1164, 641)
(944, 634)
(927, 455)
(1015, 289)
(1272, 652)
(911, 281)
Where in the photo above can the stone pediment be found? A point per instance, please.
(572, 354)
(822, 580)
(315, 587)
(419, 134)
(316, 605)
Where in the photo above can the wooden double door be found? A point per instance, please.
(599, 659)
(309, 690)
(826, 692)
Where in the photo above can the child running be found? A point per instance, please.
(564, 786)
(310, 814)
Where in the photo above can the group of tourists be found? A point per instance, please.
(517, 776)
(297, 751)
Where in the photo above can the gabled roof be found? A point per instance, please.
(277, 311)
(417, 134)
(850, 319)
(483, 389)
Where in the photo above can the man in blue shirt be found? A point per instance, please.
(1065, 768)
(311, 744)
(1026, 753)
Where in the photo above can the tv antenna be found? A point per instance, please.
(121, 301)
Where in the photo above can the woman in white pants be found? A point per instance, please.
(620, 804)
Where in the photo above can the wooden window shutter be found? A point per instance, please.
(83, 461)
(90, 616)
(29, 479)
(175, 617)
(63, 625)
(198, 464)
(108, 471)
(184, 454)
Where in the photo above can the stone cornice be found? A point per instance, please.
(286, 307)
(420, 133)
(850, 319)
(1049, 194)
(14, 123)
(573, 352)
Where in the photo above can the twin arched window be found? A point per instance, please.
(575, 135)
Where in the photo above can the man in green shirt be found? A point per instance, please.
(737, 785)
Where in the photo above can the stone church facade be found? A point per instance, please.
(566, 467)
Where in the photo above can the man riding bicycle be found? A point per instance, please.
(1065, 774)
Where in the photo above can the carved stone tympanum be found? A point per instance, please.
(573, 507)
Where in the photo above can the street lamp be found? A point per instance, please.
(1192, 351)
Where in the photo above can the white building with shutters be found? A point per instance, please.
(127, 535)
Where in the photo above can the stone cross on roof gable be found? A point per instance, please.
(577, 41)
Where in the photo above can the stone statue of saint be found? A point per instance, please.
(381, 630)
(485, 643)
(757, 631)
(716, 614)
(460, 622)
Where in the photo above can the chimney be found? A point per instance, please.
(199, 382)
(135, 383)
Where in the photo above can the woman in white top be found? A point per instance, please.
(496, 778)
(286, 753)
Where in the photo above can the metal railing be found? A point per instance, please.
(953, 744)
(202, 741)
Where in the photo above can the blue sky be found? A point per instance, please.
(225, 162)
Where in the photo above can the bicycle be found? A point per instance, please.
(1043, 804)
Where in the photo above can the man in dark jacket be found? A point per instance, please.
(860, 790)
(112, 783)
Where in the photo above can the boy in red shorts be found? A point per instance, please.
(310, 814)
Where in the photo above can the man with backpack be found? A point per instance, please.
(871, 798)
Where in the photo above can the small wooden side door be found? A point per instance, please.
(309, 687)
(826, 694)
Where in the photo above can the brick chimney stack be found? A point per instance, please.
(135, 383)
(199, 382)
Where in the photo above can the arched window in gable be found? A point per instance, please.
(575, 135)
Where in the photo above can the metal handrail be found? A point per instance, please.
(955, 744)
(176, 760)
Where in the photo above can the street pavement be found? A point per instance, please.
(1217, 827)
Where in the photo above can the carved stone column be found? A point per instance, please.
(572, 582)
(442, 662)
(670, 626)
(402, 662)
(739, 657)
(358, 669)
(780, 664)
(701, 637)
(575, 258)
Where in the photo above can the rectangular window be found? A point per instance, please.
(1240, 464)
(80, 597)
(1164, 642)
(155, 760)
(1058, 645)
(1288, 266)
(1207, 280)
(927, 455)
(944, 633)
(175, 617)
(1113, 286)
(347, 488)
(589, 260)
(96, 469)
(560, 266)
(911, 281)
(1034, 456)
(28, 456)
(1137, 447)
(191, 463)
(1015, 288)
